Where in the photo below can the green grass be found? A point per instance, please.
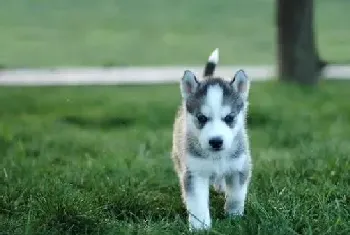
(128, 32)
(95, 160)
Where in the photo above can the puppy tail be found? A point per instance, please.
(210, 66)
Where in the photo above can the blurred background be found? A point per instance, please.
(127, 33)
(94, 158)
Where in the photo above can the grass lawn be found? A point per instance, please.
(128, 32)
(95, 160)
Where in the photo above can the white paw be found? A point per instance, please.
(199, 223)
(235, 212)
(234, 208)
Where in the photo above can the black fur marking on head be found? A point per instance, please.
(230, 96)
(194, 148)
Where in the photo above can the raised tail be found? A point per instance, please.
(210, 66)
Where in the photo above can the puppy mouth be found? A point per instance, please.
(216, 149)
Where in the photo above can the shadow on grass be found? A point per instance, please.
(100, 123)
(73, 222)
(155, 203)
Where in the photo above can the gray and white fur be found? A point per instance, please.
(210, 142)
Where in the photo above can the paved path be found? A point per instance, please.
(137, 75)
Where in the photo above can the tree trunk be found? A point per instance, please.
(297, 56)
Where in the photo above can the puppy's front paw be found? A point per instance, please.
(234, 208)
(197, 224)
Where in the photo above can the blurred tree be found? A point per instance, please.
(298, 58)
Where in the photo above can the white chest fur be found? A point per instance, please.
(219, 167)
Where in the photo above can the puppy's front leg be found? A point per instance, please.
(236, 192)
(195, 191)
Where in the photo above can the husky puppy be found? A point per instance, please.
(210, 142)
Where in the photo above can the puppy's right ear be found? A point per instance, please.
(189, 84)
(241, 83)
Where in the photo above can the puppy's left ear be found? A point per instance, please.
(241, 83)
(189, 84)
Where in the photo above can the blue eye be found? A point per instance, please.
(202, 119)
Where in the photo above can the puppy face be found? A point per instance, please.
(215, 109)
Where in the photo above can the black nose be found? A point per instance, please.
(216, 143)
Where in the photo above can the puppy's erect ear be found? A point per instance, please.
(189, 84)
(241, 83)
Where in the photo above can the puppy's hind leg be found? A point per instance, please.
(219, 185)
